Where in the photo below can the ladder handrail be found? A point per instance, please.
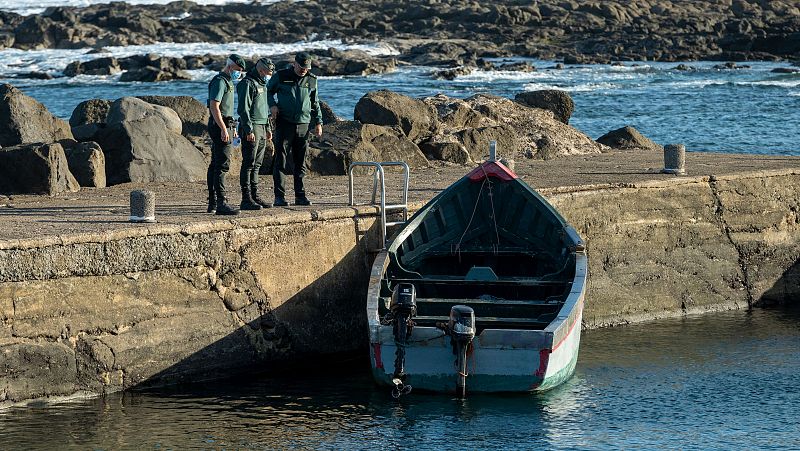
(379, 175)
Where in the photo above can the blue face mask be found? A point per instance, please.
(235, 75)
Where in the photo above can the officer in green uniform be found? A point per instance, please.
(295, 111)
(222, 131)
(255, 129)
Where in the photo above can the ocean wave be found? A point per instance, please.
(582, 87)
(775, 83)
(54, 61)
(29, 7)
(696, 83)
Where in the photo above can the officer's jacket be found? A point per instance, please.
(297, 101)
(253, 109)
(220, 88)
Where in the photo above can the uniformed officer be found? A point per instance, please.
(222, 131)
(255, 129)
(295, 110)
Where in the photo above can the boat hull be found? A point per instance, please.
(500, 361)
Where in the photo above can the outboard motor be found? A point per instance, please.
(403, 308)
(461, 328)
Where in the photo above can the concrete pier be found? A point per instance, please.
(90, 303)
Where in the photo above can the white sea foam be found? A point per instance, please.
(27, 7)
(696, 83)
(53, 61)
(582, 87)
(777, 83)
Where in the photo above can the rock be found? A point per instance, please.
(152, 74)
(36, 76)
(519, 130)
(683, 67)
(414, 117)
(87, 163)
(516, 67)
(451, 151)
(35, 169)
(24, 120)
(786, 70)
(628, 138)
(86, 132)
(129, 109)
(193, 114)
(93, 111)
(456, 113)
(144, 150)
(557, 101)
(451, 74)
(351, 62)
(729, 65)
(100, 66)
(328, 116)
(348, 141)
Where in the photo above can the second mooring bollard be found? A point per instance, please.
(674, 159)
(143, 206)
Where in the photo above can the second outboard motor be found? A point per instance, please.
(403, 308)
(462, 331)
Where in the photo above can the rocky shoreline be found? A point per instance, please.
(448, 34)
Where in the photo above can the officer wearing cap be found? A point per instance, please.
(222, 131)
(254, 127)
(294, 104)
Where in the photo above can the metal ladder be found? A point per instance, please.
(378, 177)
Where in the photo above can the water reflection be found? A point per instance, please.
(722, 381)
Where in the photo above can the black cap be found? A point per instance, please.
(266, 63)
(238, 60)
(303, 59)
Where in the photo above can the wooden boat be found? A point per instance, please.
(481, 290)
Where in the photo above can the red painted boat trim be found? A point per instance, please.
(544, 354)
(376, 349)
(492, 169)
(568, 333)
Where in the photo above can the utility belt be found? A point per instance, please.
(228, 121)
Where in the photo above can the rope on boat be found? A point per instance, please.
(475, 209)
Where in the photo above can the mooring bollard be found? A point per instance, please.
(143, 206)
(674, 159)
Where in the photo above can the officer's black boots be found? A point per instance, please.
(301, 200)
(258, 199)
(247, 200)
(225, 209)
(212, 204)
(279, 202)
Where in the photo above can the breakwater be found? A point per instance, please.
(99, 312)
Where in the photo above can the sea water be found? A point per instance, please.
(720, 381)
(750, 110)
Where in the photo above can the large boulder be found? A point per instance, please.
(35, 169)
(555, 100)
(23, 120)
(129, 109)
(144, 150)
(328, 115)
(193, 114)
(628, 138)
(87, 163)
(101, 66)
(520, 131)
(142, 142)
(92, 111)
(347, 141)
(414, 117)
